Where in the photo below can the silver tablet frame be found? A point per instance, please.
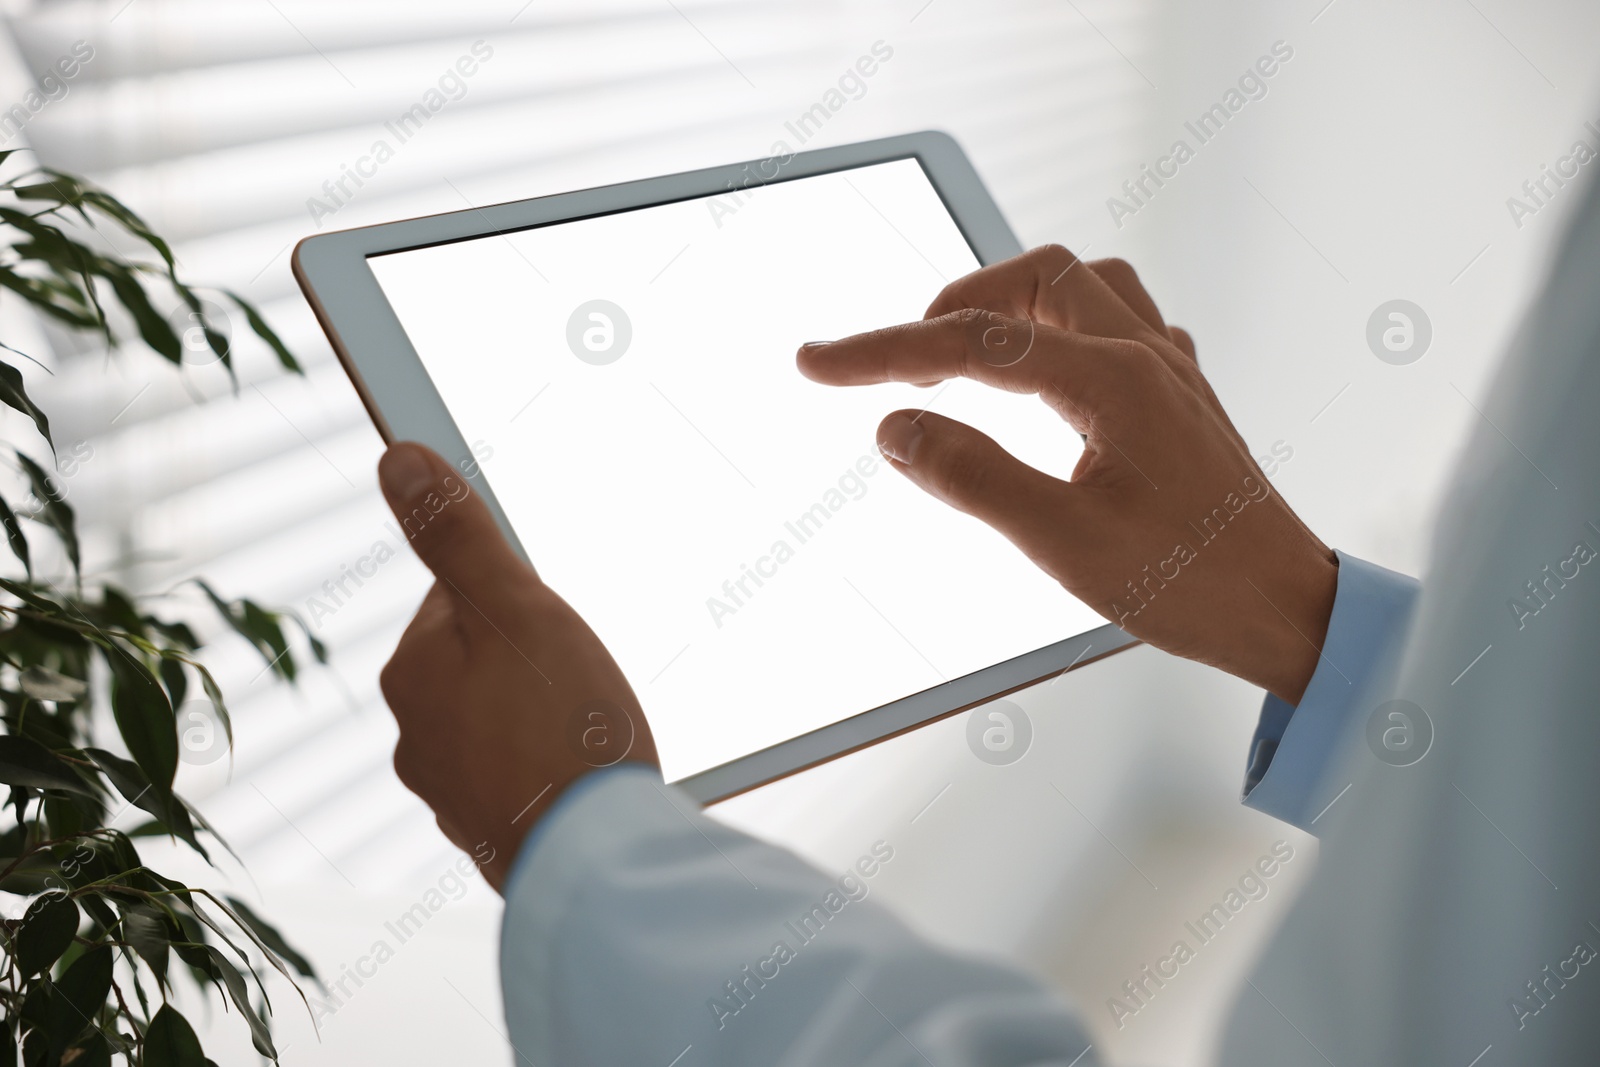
(393, 384)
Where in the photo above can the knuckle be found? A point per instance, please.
(1052, 258)
(967, 317)
(1053, 252)
(1146, 360)
(1138, 361)
(965, 329)
(975, 322)
(391, 679)
(1117, 270)
(402, 678)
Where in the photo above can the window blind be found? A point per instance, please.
(226, 123)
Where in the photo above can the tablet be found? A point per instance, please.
(614, 370)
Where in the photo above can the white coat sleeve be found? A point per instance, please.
(640, 931)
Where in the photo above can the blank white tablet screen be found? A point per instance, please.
(724, 524)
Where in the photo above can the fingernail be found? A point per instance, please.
(404, 472)
(898, 438)
(816, 344)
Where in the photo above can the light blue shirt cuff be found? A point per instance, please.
(1294, 746)
(567, 799)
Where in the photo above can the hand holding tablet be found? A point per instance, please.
(1168, 526)
(619, 361)
(488, 738)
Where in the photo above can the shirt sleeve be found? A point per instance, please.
(638, 930)
(1293, 746)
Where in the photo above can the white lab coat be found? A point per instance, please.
(1451, 922)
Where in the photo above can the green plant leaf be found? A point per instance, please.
(170, 1041)
(80, 994)
(55, 512)
(153, 327)
(36, 1046)
(31, 596)
(50, 642)
(42, 683)
(178, 633)
(69, 278)
(259, 326)
(15, 537)
(14, 394)
(66, 189)
(34, 875)
(262, 628)
(49, 298)
(122, 848)
(194, 917)
(144, 718)
(70, 285)
(70, 815)
(214, 694)
(93, 1051)
(216, 340)
(36, 1004)
(118, 609)
(182, 902)
(266, 632)
(145, 928)
(273, 939)
(318, 649)
(221, 969)
(110, 205)
(25, 762)
(202, 823)
(46, 931)
(62, 189)
(136, 789)
(98, 910)
(175, 678)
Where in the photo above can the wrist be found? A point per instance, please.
(516, 842)
(1291, 626)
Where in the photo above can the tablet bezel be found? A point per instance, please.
(400, 397)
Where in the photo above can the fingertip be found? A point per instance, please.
(449, 526)
(806, 361)
(899, 435)
(405, 472)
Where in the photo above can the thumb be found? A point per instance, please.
(971, 472)
(449, 526)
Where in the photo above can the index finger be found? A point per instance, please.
(433, 634)
(1015, 355)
